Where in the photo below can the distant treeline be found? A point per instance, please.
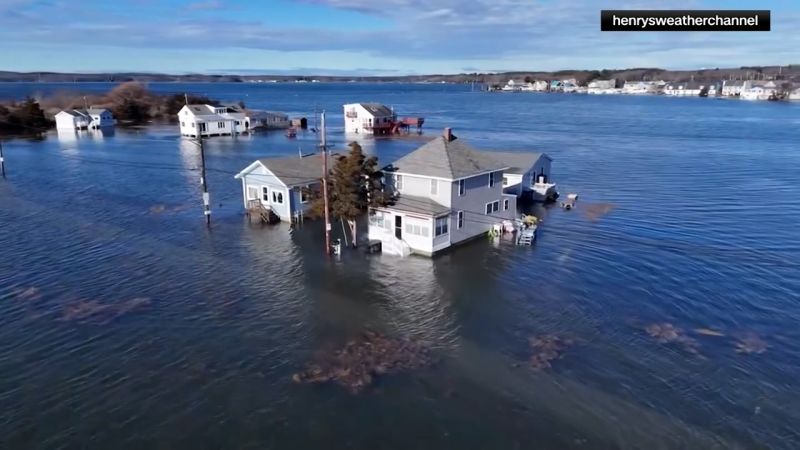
(789, 72)
(131, 103)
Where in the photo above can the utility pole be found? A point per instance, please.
(206, 197)
(2, 161)
(324, 150)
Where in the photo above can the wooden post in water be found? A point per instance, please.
(324, 150)
(204, 183)
(2, 160)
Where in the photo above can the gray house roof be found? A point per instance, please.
(450, 160)
(294, 170)
(419, 205)
(517, 162)
(376, 109)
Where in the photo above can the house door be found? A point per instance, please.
(202, 127)
(398, 227)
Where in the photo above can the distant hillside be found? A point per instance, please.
(790, 72)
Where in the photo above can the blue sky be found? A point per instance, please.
(382, 37)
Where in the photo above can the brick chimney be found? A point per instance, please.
(448, 134)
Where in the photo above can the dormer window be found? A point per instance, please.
(491, 179)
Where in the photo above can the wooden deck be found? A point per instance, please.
(257, 211)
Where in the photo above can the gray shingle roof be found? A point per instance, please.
(376, 109)
(419, 205)
(451, 160)
(294, 170)
(517, 162)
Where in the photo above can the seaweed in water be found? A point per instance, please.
(547, 348)
(751, 343)
(356, 365)
(667, 333)
(92, 310)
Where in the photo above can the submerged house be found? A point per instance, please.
(447, 193)
(527, 175)
(92, 118)
(268, 120)
(368, 118)
(758, 90)
(209, 120)
(732, 88)
(282, 185)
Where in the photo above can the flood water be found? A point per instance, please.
(688, 214)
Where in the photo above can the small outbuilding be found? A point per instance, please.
(92, 118)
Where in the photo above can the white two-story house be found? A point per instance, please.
(448, 193)
(209, 120)
(368, 118)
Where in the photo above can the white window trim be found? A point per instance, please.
(460, 220)
(257, 189)
(491, 179)
(261, 194)
(462, 184)
(505, 204)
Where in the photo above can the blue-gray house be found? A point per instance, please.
(282, 184)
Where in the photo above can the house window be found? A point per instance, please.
(488, 208)
(492, 207)
(505, 181)
(491, 179)
(265, 193)
(277, 197)
(376, 220)
(252, 193)
(462, 188)
(192, 124)
(183, 124)
(304, 194)
(460, 222)
(398, 182)
(434, 187)
(505, 205)
(441, 226)
(418, 230)
(221, 124)
(237, 122)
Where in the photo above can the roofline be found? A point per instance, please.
(503, 169)
(246, 171)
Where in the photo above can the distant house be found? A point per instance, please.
(732, 88)
(641, 87)
(758, 90)
(92, 118)
(268, 120)
(556, 86)
(448, 193)
(527, 175)
(209, 120)
(282, 184)
(515, 86)
(794, 94)
(714, 89)
(568, 86)
(603, 84)
(540, 85)
(368, 118)
(687, 88)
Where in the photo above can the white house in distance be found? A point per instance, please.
(732, 88)
(368, 118)
(282, 184)
(92, 118)
(209, 120)
(641, 87)
(448, 193)
(758, 90)
(688, 88)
